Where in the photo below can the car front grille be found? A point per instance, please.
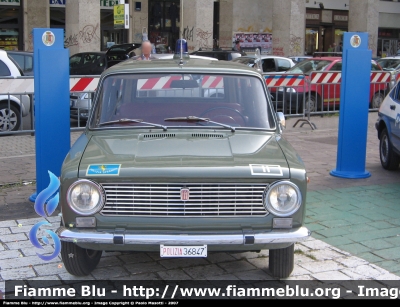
(205, 200)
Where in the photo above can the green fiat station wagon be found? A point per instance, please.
(182, 157)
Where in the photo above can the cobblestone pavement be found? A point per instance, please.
(314, 260)
(355, 223)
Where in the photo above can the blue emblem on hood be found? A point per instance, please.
(103, 169)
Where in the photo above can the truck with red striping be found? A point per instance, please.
(320, 89)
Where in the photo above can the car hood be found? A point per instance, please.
(184, 155)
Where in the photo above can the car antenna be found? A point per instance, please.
(181, 55)
(181, 48)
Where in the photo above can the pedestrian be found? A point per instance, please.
(146, 52)
(339, 48)
(237, 45)
(330, 49)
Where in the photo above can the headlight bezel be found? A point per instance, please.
(100, 203)
(269, 207)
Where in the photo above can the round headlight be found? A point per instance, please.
(283, 198)
(85, 197)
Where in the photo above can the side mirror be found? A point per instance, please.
(281, 119)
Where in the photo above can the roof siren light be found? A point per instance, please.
(181, 50)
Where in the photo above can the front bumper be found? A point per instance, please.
(79, 113)
(122, 237)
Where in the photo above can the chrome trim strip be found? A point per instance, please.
(274, 236)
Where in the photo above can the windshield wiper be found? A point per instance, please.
(197, 119)
(127, 120)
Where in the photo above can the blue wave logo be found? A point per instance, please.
(103, 169)
(45, 204)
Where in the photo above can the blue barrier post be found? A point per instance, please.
(354, 107)
(51, 75)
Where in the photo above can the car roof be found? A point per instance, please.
(218, 50)
(20, 51)
(264, 56)
(170, 56)
(328, 58)
(171, 66)
(300, 56)
(389, 58)
(89, 52)
(333, 60)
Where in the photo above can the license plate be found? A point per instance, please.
(183, 251)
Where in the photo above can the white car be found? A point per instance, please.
(12, 107)
(388, 127)
(269, 63)
(392, 65)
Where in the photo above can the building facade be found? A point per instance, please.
(290, 27)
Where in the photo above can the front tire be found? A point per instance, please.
(389, 159)
(377, 100)
(10, 118)
(312, 104)
(281, 261)
(79, 261)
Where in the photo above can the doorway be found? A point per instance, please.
(164, 24)
(11, 27)
(112, 37)
(328, 38)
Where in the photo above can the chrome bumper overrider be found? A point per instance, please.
(240, 238)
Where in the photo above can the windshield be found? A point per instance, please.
(388, 63)
(220, 101)
(17, 65)
(308, 66)
(394, 66)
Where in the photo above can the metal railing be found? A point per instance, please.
(298, 95)
(17, 98)
(288, 95)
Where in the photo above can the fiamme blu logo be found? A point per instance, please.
(45, 204)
